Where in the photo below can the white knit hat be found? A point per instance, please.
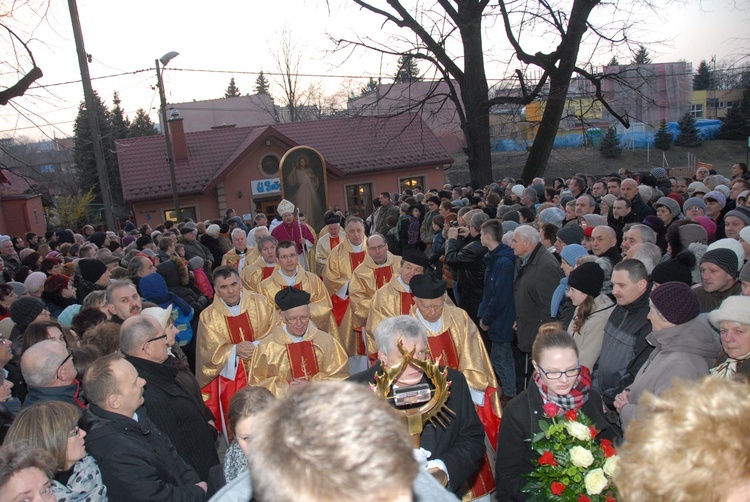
(285, 207)
(517, 190)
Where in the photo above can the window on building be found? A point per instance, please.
(722, 104)
(696, 111)
(359, 199)
(492, 131)
(410, 183)
(269, 165)
(187, 212)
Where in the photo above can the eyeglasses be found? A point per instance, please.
(3, 340)
(557, 375)
(70, 356)
(74, 432)
(300, 319)
(162, 337)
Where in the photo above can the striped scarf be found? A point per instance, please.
(574, 400)
(728, 368)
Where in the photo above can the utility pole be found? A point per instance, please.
(96, 137)
(168, 140)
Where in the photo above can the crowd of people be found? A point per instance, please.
(129, 358)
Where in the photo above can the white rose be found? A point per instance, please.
(578, 431)
(581, 457)
(595, 482)
(611, 465)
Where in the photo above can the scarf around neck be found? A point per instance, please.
(574, 400)
(728, 368)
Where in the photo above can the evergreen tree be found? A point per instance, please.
(613, 61)
(702, 78)
(663, 138)
(735, 125)
(688, 135)
(641, 56)
(370, 86)
(119, 122)
(83, 152)
(261, 84)
(232, 91)
(408, 71)
(142, 125)
(610, 145)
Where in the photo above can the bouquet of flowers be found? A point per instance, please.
(572, 466)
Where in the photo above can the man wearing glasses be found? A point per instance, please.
(48, 369)
(172, 395)
(295, 352)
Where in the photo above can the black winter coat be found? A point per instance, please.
(137, 461)
(176, 407)
(520, 422)
(469, 262)
(177, 284)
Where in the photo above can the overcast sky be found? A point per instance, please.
(221, 39)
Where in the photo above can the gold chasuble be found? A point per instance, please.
(341, 264)
(278, 360)
(253, 274)
(459, 345)
(367, 279)
(233, 259)
(321, 312)
(219, 331)
(389, 301)
(323, 249)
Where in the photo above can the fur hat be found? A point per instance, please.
(676, 302)
(587, 278)
(733, 309)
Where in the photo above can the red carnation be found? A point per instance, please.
(571, 415)
(583, 498)
(557, 488)
(551, 409)
(547, 458)
(593, 430)
(607, 448)
(610, 499)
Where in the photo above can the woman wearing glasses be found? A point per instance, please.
(558, 379)
(53, 427)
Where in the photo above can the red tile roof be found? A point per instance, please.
(350, 145)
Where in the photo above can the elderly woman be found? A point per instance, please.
(58, 294)
(733, 320)
(53, 427)
(684, 346)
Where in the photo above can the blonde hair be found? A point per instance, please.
(692, 443)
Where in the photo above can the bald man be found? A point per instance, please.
(629, 190)
(604, 244)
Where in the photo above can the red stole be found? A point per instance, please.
(339, 308)
(302, 360)
(333, 241)
(240, 328)
(267, 271)
(382, 276)
(356, 259)
(407, 302)
(442, 346)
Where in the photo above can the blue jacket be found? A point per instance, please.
(498, 310)
(154, 289)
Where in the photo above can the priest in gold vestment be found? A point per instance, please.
(296, 352)
(240, 256)
(342, 261)
(327, 241)
(289, 273)
(263, 266)
(395, 297)
(379, 267)
(228, 332)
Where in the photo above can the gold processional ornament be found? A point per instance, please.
(433, 409)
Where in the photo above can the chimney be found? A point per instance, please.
(177, 131)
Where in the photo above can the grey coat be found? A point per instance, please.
(533, 288)
(685, 351)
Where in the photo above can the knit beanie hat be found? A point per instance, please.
(677, 198)
(745, 234)
(195, 262)
(693, 201)
(676, 301)
(609, 200)
(553, 215)
(571, 234)
(512, 216)
(654, 223)
(91, 269)
(745, 272)
(518, 190)
(659, 173)
(587, 278)
(678, 269)
(56, 283)
(732, 245)
(709, 225)
(671, 204)
(571, 252)
(724, 259)
(741, 212)
(25, 310)
(717, 196)
(98, 238)
(35, 283)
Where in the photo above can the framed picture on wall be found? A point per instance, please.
(304, 183)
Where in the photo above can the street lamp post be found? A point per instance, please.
(166, 58)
